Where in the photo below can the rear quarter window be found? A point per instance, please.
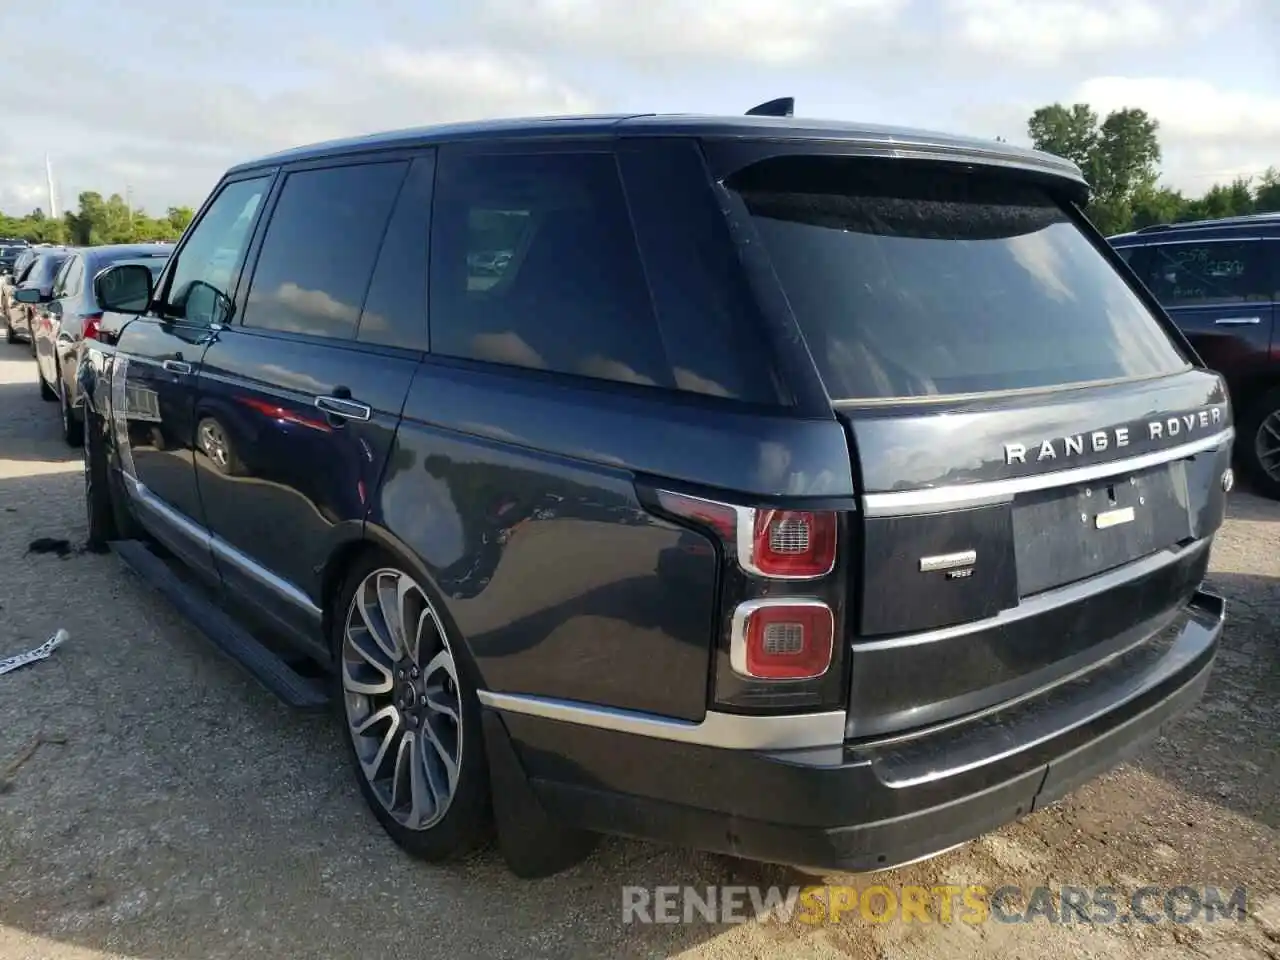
(536, 263)
(911, 281)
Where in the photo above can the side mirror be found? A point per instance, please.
(27, 295)
(203, 302)
(126, 288)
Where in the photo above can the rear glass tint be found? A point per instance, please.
(909, 281)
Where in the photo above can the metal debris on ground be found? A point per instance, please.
(39, 653)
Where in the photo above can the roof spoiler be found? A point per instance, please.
(782, 107)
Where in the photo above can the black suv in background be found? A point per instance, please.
(10, 248)
(1220, 282)
(37, 269)
(810, 492)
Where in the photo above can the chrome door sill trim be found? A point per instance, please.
(727, 731)
(224, 551)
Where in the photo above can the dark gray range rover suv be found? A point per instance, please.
(811, 492)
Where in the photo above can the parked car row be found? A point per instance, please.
(11, 249)
(804, 491)
(1220, 281)
(53, 308)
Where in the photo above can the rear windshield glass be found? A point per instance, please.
(913, 282)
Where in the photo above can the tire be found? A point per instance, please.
(426, 812)
(99, 505)
(46, 392)
(1259, 443)
(72, 426)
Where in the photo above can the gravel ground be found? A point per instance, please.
(189, 815)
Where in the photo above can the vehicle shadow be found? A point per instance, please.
(30, 428)
(1245, 503)
(190, 815)
(1227, 749)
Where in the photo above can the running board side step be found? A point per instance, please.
(233, 640)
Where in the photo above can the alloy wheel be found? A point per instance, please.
(402, 699)
(214, 443)
(1266, 444)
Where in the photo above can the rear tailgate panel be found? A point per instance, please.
(1066, 534)
(1050, 588)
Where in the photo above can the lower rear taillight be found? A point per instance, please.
(92, 325)
(782, 639)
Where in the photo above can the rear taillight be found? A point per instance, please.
(782, 601)
(92, 325)
(720, 517)
(788, 544)
(782, 639)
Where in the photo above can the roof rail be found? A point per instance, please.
(1242, 218)
(782, 107)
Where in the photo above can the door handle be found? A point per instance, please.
(177, 366)
(1237, 321)
(342, 407)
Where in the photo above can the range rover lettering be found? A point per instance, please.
(810, 492)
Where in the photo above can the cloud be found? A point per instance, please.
(171, 146)
(1049, 30)
(172, 98)
(1054, 32)
(770, 32)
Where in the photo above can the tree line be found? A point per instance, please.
(97, 221)
(1120, 157)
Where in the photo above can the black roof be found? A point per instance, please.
(882, 140)
(1254, 224)
(125, 251)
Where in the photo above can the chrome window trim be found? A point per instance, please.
(726, 731)
(224, 551)
(1165, 243)
(999, 491)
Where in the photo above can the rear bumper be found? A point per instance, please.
(870, 805)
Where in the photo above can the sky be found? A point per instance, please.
(158, 98)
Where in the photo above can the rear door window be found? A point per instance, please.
(61, 278)
(1208, 272)
(73, 278)
(534, 264)
(320, 247)
(911, 281)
